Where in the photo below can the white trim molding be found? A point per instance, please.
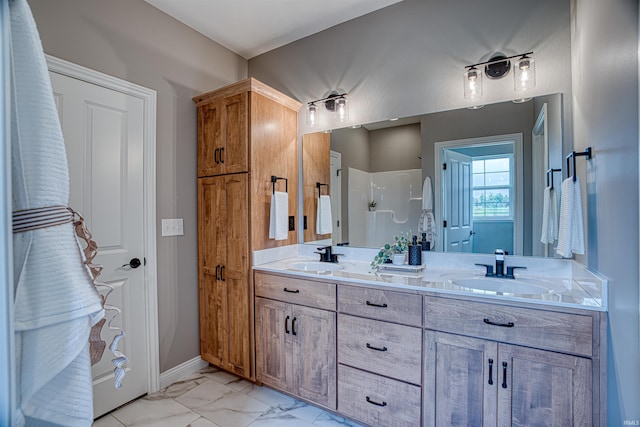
(181, 371)
(148, 97)
(518, 218)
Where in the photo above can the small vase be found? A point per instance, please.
(372, 208)
(398, 259)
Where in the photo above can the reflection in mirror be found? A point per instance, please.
(387, 163)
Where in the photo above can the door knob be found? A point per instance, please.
(134, 263)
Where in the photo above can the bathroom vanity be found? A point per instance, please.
(417, 348)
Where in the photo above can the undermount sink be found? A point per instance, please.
(522, 286)
(314, 266)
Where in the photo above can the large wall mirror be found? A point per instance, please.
(489, 195)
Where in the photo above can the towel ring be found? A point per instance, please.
(273, 183)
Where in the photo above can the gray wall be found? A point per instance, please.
(605, 97)
(501, 236)
(496, 119)
(134, 41)
(397, 148)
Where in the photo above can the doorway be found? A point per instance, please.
(479, 205)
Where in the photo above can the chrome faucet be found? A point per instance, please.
(500, 253)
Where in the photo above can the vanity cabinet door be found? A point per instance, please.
(460, 381)
(314, 355)
(543, 388)
(223, 136)
(272, 343)
(223, 266)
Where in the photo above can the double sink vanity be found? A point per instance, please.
(445, 345)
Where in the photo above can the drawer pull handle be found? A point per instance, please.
(504, 325)
(504, 374)
(293, 326)
(373, 402)
(286, 325)
(376, 305)
(490, 371)
(376, 348)
(297, 291)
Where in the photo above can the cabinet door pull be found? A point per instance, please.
(296, 291)
(222, 273)
(376, 305)
(286, 325)
(490, 371)
(216, 153)
(376, 348)
(222, 155)
(293, 326)
(218, 272)
(504, 325)
(373, 402)
(504, 374)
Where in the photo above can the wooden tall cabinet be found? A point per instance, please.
(247, 132)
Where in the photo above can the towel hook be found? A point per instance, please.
(273, 183)
(319, 186)
(572, 156)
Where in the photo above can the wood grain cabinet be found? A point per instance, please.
(379, 356)
(472, 381)
(296, 344)
(242, 128)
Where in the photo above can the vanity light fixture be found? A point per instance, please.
(336, 103)
(496, 68)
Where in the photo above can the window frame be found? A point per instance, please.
(510, 187)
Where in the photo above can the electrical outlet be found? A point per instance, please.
(172, 227)
(305, 222)
(292, 223)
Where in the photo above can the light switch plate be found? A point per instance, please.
(172, 227)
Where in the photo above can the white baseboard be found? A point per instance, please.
(179, 372)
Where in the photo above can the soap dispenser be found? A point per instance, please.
(426, 245)
(415, 252)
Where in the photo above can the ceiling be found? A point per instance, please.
(252, 27)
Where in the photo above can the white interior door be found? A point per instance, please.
(336, 196)
(104, 133)
(458, 207)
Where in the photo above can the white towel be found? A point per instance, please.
(55, 303)
(549, 216)
(571, 230)
(427, 194)
(279, 218)
(323, 216)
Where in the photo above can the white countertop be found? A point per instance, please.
(574, 286)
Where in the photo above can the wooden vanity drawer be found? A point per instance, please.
(563, 332)
(296, 291)
(380, 347)
(376, 400)
(390, 306)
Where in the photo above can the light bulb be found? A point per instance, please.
(312, 116)
(472, 83)
(524, 75)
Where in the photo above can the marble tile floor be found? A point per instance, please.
(215, 398)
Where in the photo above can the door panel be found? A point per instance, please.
(458, 381)
(272, 342)
(544, 388)
(314, 355)
(210, 139)
(235, 157)
(103, 132)
(458, 202)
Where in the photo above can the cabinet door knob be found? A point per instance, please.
(384, 305)
(222, 155)
(490, 371)
(218, 272)
(293, 327)
(216, 153)
(369, 346)
(504, 374)
(286, 325)
(222, 273)
(373, 402)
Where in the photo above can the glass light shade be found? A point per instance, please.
(342, 110)
(524, 74)
(472, 83)
(313, 116)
